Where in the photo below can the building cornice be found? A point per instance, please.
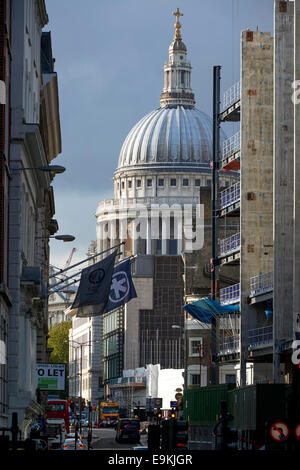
(42, 11)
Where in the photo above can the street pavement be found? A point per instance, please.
(104, 439)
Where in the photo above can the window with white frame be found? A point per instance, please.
(195, 380)
(195, 346)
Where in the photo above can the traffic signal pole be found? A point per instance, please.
(214, 197)
(80, 405)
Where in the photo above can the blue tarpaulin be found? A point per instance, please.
(203, 310)
(269, 314)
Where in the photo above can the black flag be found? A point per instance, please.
(93, 292)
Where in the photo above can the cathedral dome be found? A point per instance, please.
(176, 134)
(169, 135)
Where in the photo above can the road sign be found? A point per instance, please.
(157, 402)
(178, 396)
(297, 432)
(279, 431)
(173, 404)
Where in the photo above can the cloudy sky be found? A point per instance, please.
(109, 59)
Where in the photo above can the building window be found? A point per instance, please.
(173, 182)
(161, 182)
(138, 183)
(230, 378)
(129, 184)
(185, 182)
(194, 347)
(149, 183)
(123, 185)
(197, 182)
(208, 182)
(100, 383)
(195, 380)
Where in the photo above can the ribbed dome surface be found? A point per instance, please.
(169, 135)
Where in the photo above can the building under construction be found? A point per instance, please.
(266, 247)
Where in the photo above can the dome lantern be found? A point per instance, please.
(177, 73)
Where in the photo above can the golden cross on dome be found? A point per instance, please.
(177, 25)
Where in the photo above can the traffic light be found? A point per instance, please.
(158, 414)
(173, 414)
(153, 437)
(71, 405)
(181, 433)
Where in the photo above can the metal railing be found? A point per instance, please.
(230, 295)
(231, 145)
(256, 337)
(230, 244)
(230, 196)
(232, 95)
(127, 380)
(260, 336)
(261, 284)
(230, 344)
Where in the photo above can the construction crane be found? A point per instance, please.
(68, 262)
(63, 276)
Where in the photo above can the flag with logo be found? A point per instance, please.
(94, 288)
(122, 288)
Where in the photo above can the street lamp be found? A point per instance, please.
(56, 169)
(64, 238)
(178, 327)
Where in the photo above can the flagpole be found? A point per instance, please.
(86, 259)
(79, 272)
(61, 288)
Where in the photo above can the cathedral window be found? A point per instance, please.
(138, 183)
(185, 182)
(173, 182)
(123, 185)
(129, 184)
(149, 183)
(182, 77)
(161, 182)
(197, 182)
(172, 247)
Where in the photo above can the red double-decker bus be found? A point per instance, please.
(57, 408)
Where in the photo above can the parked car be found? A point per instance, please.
(72, 436)
(69, 444)
(128, 429)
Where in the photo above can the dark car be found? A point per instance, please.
(128, 429)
